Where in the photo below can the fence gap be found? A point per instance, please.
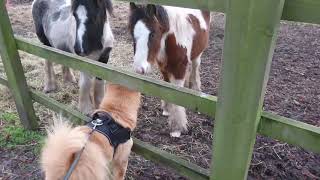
(250, 35)
(14, 71)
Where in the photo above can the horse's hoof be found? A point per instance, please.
(175, 134)
(165, 113)
(49, 88)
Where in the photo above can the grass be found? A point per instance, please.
(12, 134)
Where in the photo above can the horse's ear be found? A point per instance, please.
(133, 6)
(151, 10)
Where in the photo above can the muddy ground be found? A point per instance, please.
(293, 91)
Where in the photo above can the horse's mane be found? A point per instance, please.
(105, 3)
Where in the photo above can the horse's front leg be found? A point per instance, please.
(164, 104)
(50, 83)
(195, 81)
(85, 103)
(187, 82)
(99, 85)
(177, 114)
(68, 76)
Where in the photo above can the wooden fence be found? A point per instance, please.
(250, 34)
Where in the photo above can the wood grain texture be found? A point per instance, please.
(194, 100)
(14, 71)
(250, 36)
(294, 10)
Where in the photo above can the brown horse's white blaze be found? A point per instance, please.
(174, 39)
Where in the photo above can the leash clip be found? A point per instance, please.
(96, 122)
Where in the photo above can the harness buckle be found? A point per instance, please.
(96, 122)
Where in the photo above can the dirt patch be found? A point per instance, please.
(293, 91)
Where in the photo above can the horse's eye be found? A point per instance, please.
(151, 35)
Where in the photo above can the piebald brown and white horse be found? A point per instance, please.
(174, 39)
(75, 26)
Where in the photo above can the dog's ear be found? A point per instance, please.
(133, 6)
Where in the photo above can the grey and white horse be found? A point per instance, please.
(76, 26)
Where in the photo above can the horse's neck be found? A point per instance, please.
(180, 26)
(179, 18)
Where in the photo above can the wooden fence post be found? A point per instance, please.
(251, 27)
(14, 71)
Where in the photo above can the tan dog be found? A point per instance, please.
(64, 142)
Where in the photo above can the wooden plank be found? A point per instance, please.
(290, 131)
(285, 129)
(302, 11)
(213, 5)
(149, 152)
(3, 81)
(294, 10)
(194, 100)
(60, 108)
(14, 71)
(250, 37)
(54, 105)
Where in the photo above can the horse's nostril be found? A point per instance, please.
(77, 51)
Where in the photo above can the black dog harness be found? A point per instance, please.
(106, 125)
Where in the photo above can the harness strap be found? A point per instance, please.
(106, 125)
(111, 129)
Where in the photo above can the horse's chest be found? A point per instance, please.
(176, 46)
(175, 60)
(60, 28)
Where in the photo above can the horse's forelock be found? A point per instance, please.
(136, 14)
(141, 12)
(104, 4)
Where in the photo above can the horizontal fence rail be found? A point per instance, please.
(294, 10)
(194, 100)
(147, 151)
(271, 125)
(290, 131)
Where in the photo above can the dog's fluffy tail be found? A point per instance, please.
(61, 145)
